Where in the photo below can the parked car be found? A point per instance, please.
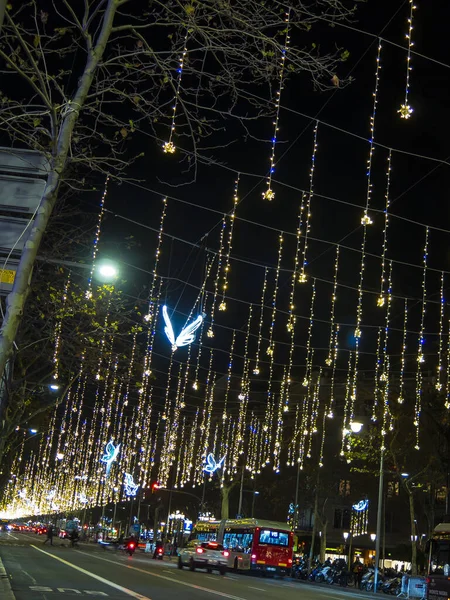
(204, 555)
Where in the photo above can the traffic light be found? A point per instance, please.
(155, 486)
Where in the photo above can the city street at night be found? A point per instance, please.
(39, 572)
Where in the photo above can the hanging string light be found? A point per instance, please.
(210, 331)
(381, 299)
(58, 328)
(256, 370)
(400, 398)
(438, 384)
(385, 375)
(97, 238)
(169, 146)
(302, 275)
(330, 413)
(291, 318)
(309, 351)
(269, 194)
(271, 346)
(447, 383)
(366, 220)
(420, 353)
(329, 359)
(347, 401)
(405, 109)
(223, 304)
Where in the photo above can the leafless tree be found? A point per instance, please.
(79, 79)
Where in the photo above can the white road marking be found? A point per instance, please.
(255, 588)
(167, 571)
(13, 536)
(185, 583)
(97, 577)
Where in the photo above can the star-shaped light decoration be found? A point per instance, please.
(268, 195)
(381, 300)
(366, 220)
(357, 333)
(302, 278)
(210, 333)
(405, 111)
(223, 306)
(169, 147)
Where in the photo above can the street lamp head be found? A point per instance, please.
(356, 426)
(54, 386)
(33, 431)
(106, 270)
(346, 534)
(405, 474)
(373, 536)
(256, 493)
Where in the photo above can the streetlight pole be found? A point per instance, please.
(379, 519)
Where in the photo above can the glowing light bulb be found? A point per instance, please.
(168, 148)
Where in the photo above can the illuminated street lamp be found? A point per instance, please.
(54, 387)
(373, 536)
(356, 426)
(106, 271)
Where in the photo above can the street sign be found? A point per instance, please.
(23, 162)
(20, 194)
(7, 275)
(11, 237)
(136, 528)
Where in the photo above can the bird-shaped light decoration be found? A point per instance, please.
(82, 498)
(131, 488)
(186, 335)
(111, 453)
(361, 505)
(211, 464)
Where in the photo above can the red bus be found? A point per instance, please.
(253, 544)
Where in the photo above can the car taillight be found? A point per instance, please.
(200, 550)
(290, 561)
(226, 553)
(253, 556)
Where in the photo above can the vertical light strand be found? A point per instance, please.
(58, 328)
(405, 109)
(295, 273)
(385, 375)
(333, 372)
(225, 414)
(210, 331)
(269, 194)
(152, 309)
(279, 425)
(169, 146)
(309, 352)
(441, 337)
(226, 269)
(447, 383)
(302, 275)
(271, 347)
(97, 238)
(348, 391)
(381, 299)
(329, 359)
(420, 353)
(401, 382)
(366, 220)
(256, 370)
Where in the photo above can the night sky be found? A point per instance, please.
(419, 192)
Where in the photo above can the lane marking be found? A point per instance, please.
(255, 588)
(97, 577)
(185, 583)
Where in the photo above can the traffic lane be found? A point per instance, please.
(35, 574)
(161, 577)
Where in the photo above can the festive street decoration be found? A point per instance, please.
(186, 336)
(110, 456)
(130, 487)
(405, 109)
(211, 466)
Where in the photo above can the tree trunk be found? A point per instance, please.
(413, 533)
(225, 493)
(314, 531)
(15, 301)
(323, 541)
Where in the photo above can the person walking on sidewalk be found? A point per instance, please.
(49, 535)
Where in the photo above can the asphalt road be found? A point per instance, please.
(39, 572)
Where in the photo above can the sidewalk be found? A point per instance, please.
(6, 592)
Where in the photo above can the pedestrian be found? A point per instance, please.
(357, 572)
(49, 535)
(73, 537)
